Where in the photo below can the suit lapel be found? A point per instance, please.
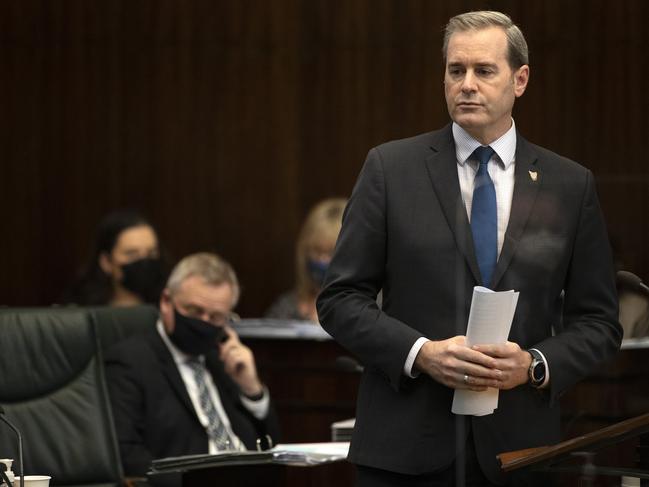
(442, 169)
(172, 374)
(527, 181)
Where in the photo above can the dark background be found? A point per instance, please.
(224, 121)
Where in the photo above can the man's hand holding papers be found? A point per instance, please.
(511, 360)
(490, 320)
(482, 362)
(449, 361)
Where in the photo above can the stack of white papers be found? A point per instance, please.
(300, 454)
(490, 320)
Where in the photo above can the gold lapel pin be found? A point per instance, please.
(533, 175)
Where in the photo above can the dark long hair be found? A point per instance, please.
(94, 286)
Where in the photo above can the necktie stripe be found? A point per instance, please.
(215, 429)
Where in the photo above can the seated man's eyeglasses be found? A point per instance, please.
(216, 318)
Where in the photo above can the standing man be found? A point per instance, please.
(433, 216)
(190, 386)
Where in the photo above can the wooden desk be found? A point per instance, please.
(309, 391)
(619, 390)
(337, 474)
(616, 391)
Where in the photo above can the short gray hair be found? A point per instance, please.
(210, 267)
(517, 55)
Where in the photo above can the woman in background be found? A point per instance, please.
(125, 268)
(315, 246)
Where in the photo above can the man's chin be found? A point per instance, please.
(469, 121)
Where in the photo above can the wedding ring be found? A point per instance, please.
(466, 379)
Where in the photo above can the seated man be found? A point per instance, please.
(190, 386)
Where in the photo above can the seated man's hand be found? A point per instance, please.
(240, 363)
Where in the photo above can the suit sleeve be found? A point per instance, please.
(591, 333)
(128, 412)
(266, 427)
(347, 306)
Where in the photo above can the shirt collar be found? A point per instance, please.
(504, 146)
(178, 355)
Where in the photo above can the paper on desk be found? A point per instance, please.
(490, 320)
(310, 453)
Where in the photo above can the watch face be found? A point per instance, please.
(538, 372)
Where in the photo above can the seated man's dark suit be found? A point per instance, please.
(154, 416)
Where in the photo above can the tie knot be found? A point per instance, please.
(483, 154)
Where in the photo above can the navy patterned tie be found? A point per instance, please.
(484, 223)
(215, 430)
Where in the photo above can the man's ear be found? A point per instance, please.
(521, 77)
(167, 310)
(165, 301)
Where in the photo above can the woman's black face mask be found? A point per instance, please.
(144, 277)
(194, 336)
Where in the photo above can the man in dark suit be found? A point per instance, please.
(190, 386)
(433, 216)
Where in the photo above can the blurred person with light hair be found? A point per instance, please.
(314, 248)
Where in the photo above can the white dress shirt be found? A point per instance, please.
(259, 408)
(501, 170)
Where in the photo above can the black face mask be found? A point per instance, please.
(194, 336)
(145, 278)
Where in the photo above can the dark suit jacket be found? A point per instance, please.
(406, 231)
(153, 413)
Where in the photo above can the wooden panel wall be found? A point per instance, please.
(225, 121)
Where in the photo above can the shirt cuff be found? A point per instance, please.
(546, 381)
(410, 359)
(258, 408)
